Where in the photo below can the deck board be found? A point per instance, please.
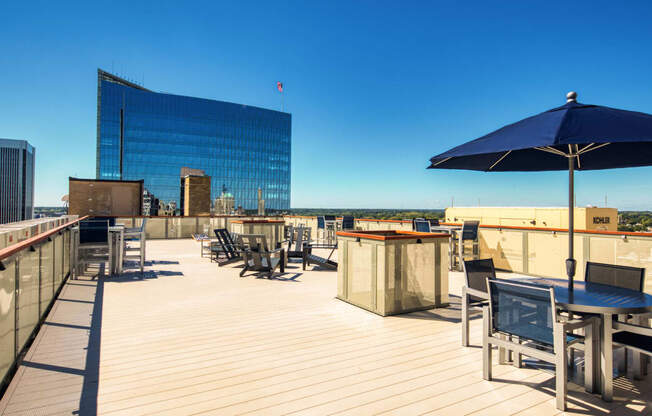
(193, 338)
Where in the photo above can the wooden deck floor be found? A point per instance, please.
(192, 338)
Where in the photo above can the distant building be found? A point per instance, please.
(195, 195)
(150, 204)
(225, 204)
(167, 209)
(142, 134)
(16, 180)
(261, 202)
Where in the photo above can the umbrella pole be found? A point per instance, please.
(570, 262)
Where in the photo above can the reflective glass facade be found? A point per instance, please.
(147, 135)
(16, 180)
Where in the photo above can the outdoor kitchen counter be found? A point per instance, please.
(391, 272)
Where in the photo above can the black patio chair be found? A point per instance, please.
(469, 233)
(626, 277)
(295, 245)
(528, 312)
(94, 245)
(324, 262)
(422, 226)
(224, 250)
(348, 223)
(258, 257)
(614, 275)
(474, 292)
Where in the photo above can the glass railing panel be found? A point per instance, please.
(218, 222)
(505, 247)
(66, 252)
(204, 225)
(7, 316)
(155, 228)
(58, 259)
(46, 279)
(28, 299)
(188, 227)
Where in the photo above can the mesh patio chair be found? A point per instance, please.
(422, 226)
(626, 277)
(321, 227)
(258, 257)
(94, 244)
(132, 236)
(468, 236)
(529, 313)
(474, 292)
(613, 275)
(348, 223)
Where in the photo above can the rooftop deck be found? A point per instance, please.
(192, 338)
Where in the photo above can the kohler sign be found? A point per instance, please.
(600, 220)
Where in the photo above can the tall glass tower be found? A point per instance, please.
(147, 135)
(16, 180)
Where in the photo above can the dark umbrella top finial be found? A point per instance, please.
(571, 96)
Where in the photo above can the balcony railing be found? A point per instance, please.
(32, 273)
(530, 250)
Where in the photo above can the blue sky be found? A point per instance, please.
(375, 88)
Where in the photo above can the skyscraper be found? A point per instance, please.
(16, 180)
(147, 135)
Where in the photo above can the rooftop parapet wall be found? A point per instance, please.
(538, 251)
(586, 218)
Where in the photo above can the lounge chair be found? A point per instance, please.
(325, 262)
(295, 245)
(224, 250)
(258, 257)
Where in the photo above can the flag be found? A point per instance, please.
(279, 85)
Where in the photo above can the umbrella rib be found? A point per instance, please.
(585, 148)
(593, 148)
(501, 159)
(440, 162)
(552, 150)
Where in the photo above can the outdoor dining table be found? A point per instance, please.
(455, 232)
(606, 301)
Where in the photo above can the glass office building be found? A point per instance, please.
(16, 180)
(147, 135)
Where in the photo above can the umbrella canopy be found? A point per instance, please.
(572, 137)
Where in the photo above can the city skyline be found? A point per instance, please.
(372, 99)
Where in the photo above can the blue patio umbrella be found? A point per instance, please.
(572, 137)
